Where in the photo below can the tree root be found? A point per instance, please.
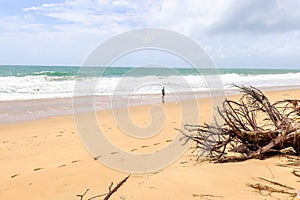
(251, 127)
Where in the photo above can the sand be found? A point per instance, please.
(45, 159)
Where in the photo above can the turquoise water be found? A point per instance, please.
(21, 71)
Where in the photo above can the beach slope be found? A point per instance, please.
(45, 159)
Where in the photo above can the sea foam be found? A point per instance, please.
(45, 87)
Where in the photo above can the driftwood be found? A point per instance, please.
(111, 191)
(273, 189)
(251, 128)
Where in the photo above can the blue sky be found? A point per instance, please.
(235, 33)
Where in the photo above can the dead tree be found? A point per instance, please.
(251, 128)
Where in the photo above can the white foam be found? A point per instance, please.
(44, 87)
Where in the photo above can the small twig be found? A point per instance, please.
(108, 195)
(270, 171)
(94, 197)
(109, 188)
(208, 195)
(276, 183)
(296, 173)
(111, 191)
(82, 195)
(259, 187)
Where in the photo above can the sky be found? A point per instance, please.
(234, 33)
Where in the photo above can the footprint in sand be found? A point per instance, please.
(62, 166)
(114, 153)
(169, 140)
(34, 136)
(37, 169)
(156, 143)
(13, 176)
(58, 135)
(97, 157)
(144, 146)
(75, 161)
(132, 150)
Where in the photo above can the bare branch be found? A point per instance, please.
(251, 128)
(82, 195)
(111, 191)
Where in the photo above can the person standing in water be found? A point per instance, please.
(163, 95)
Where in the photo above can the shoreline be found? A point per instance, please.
(17, 111)
(46, 159)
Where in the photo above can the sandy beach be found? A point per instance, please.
(45, 159)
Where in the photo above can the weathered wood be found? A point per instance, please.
(251, 127)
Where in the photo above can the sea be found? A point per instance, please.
(34, 92)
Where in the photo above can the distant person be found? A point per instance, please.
(163, 95)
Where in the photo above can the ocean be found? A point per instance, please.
(33, 92)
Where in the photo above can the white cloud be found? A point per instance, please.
(233, 32)
(89, 12)
(188, 17)
(42, 7)
(260, 17)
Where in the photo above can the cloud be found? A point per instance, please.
(192, 18)
(262, 17)
(42, 7)
(89, 12)
(233, 32)
(184, 16)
